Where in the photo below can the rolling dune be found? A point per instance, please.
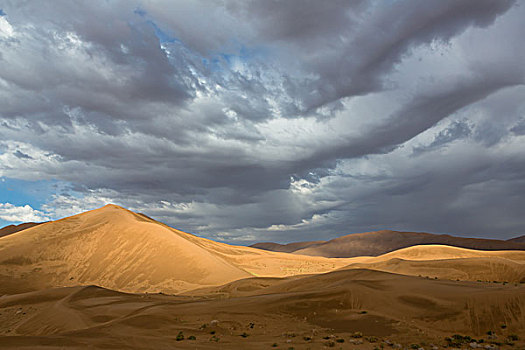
(300, 312)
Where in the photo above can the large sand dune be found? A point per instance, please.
(118, 249)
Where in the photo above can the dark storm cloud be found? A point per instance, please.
(240, 120)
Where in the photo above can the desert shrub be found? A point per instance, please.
(414, 346)
(357, 335)
(458, 340)
(371, 339)
(212, 332)
(363, 312)
(330, 344)
(180, 336)
(215, 338)
(307, 338)
(340, 340)
(274, 345)
(244, 334)
(513, 337)
(192, 337)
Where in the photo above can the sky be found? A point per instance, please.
(261, 120)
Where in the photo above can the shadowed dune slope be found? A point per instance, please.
(380, 242)
(118, 249)
(10, 229)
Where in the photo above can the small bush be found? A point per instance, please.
(371, 339)
(357, 335)
(192, 337)
(244, 334)
(307, 338)
(215, 338)
(212, 332)
(458, 340)
(340, 340)
(363, 312)
(513, 337)
(274, 345)
(180, 336)
(414, 346)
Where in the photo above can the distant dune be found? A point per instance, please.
(381, 242)
(444, 262)
(285, 248)
(10, 229)
(520, 239)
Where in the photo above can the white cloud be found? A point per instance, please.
(26, 213)
(6, 30)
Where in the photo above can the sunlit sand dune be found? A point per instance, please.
(118, 249)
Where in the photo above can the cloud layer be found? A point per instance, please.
(265, 120)
(10, 212)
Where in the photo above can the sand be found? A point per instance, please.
(294, 312)
(111, 278)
